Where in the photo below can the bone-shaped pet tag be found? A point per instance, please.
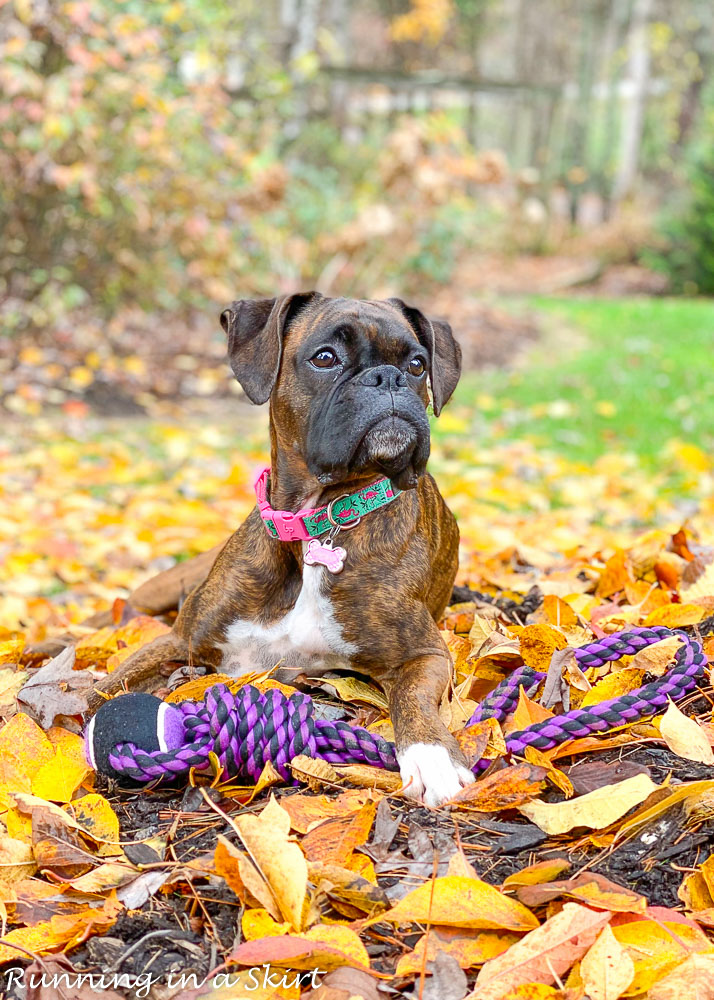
(325, 555)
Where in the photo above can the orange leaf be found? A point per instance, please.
(335, 839)
(538, 643)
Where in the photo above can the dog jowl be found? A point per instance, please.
(348, 384)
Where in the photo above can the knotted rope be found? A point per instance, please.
(248, 729)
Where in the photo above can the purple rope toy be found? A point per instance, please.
(247, 729)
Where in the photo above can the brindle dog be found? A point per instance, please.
(347, 382)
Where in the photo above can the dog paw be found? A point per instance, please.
(428, 773)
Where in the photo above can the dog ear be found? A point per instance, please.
(444, 352)
(255, 330)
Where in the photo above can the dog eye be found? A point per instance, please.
(416, 367)
(324, 359)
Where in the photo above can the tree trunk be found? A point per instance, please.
(634, 113)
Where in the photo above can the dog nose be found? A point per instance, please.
(384, 377)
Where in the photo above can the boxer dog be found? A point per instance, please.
(349, 557)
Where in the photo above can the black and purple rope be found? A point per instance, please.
(246, 730)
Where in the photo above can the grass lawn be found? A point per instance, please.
(624, 375)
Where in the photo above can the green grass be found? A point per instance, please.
(625, 375)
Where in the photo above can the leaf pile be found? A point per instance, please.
(584, 871)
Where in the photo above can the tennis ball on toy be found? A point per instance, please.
(141, 719)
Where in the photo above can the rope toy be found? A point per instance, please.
(137, 738)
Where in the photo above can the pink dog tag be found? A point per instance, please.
(325, 555)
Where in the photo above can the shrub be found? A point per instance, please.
(687, 256)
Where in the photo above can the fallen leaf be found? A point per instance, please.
(684, 736)
(324, 945)
(606, 970)
(590, 888)
(505, 789)
(596, 810)
(538, 873)
(543, 955)
(613, 686)
(277, 858)
(692, 980)
(538, 643)
(58, 779)
(657, 948)
(57, 689)
(306, 810)
(11, 681)
(527, 713)
(676, 615)
(352, 689)
(17, 860)
(460, 902)
(333, 840)
(469, 950)
(657, 658)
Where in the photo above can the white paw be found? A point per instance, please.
(428, 773)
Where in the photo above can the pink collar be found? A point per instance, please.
(310, 522)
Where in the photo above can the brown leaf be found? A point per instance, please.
(57, 689)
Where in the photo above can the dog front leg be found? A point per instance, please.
(140, 671)
(432, 765)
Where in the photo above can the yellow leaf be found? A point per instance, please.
(528, 712)
(607, 970)
(11, 681)
(11, 650)
(325, 946)
(469, 950)
(684, 736)
(333, 840)
(59, 778)
(657, 948)
(243, 877)
(460, 902)
(595, 810)
(17, 860)
(558, 612)
(279, 860)
(613, 686)
(258, 924)
(676, 615)
(352, 689)
(95, 816)
(538, 873)
(689, 792)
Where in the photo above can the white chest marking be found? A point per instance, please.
(307, 637)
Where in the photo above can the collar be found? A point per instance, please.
(310, 522)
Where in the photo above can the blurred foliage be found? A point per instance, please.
(142, 161)
(687, 227)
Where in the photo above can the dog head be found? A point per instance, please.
(346, 378)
